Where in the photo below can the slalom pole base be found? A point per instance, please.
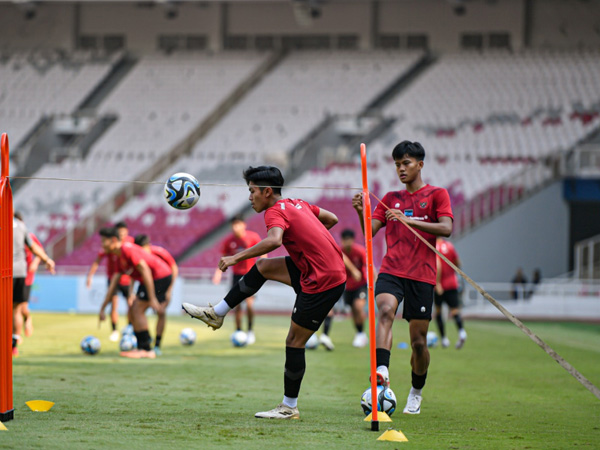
(381, 417)
(375, 425)
(8, 415)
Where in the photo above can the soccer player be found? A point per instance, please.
(112, 265)
(144, 241)
(239, 240)
(408, 269)
(446, 291)
(314, 269)
(154, 276)
(21, 240)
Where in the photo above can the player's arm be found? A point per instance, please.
(327, 218)
(441, 228)
(146, 274)
(273, 240)
(112, 287)
(38, 250)
(356, 274)
(357, 204)
(92, 271)
(34, 264)
(174, 275)
(439, 290)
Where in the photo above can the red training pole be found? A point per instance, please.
(370, 285)
(6, 287)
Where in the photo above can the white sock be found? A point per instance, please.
(462, 333)
(222, 308)
(414, 391)
(289, 401)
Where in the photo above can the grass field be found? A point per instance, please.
(500, 392)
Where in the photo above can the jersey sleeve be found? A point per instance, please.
(131, 255)
(163, 254)
(275, 218)
(224, 246)
(380, 209)
(315, 209)
(443, 205)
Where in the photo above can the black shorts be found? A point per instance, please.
(160, 289)
(417, 295)
(19, 290)
(351, 296)
(310, 310)
(450, 298)
(26, 293)
(122, 288)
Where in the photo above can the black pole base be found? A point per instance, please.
(8, 415)
(374, 425)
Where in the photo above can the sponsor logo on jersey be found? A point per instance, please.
(408, 212)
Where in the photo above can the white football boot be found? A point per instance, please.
(204, 313)
(281, 412)
(413, 404)
(326, 341)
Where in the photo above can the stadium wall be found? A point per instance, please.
(533, 234)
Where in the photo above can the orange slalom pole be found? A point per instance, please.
(370, 285)
(6, 268)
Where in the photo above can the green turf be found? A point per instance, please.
(500, 392)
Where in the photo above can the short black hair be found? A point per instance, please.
(18, 215)
(141, 240)
(109, 232)
(237, 218)
(121, 224)
(412, 149)
(265, 176)
(348, 234)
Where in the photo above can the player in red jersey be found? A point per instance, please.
(314, 269)
(144, 241)
(112, 266)
(446, 291)
(154, 276)
(33, 263)
(408, 270)
(239, 240)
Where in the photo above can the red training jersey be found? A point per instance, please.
(358, 256)
(132, 254)
(29, 256)
(448, 279)
(310, 245)
(112, 264)
(233, 244)
(406, 255)
(163, 254)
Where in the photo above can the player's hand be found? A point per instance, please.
(357, 202)
(438, 289)
(216, 279)
(394, 214)
(88, 282)
(130, 300)
(154, 304)
(50, 266)
(357, 275)
(226, 261)
(102, 316)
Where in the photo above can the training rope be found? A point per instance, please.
(534, 337)
(162, 182)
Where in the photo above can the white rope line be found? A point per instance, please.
(162, 182)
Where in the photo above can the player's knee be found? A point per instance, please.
(387, 312)
(419, 345)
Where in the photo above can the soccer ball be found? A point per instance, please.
(128, 342)
(90, 345)
(313, 342)
(182, 191)
(187, 336)
(386, 401)
(128, 330)
(239, 338)
(432, 339)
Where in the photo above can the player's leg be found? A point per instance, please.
(309, 312)
(454, 305)
(439, 318)
(359, 301)
(324, 338)
(275, 269)
(250, 316)
(238, 314)
(114, 318)
(18, 298)
(27, 319)
(140, 326)
(160, 288)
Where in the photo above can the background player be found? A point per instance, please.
(112, 266)
(408, 270)
(144, 241)
(239, 240)
(154, 276)
(314, 269)
(20, 241)
(446, 291)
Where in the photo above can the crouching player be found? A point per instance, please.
(154, 276)
(314, 269)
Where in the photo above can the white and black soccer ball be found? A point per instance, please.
(187, 336)
(127, 330)
(313, 342)
(128, 342)
(90, 345)
(239, 338)
(386, 401)
(432, 339)
(182, 190)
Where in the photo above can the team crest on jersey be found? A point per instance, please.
(408, 212)
(423, 204)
